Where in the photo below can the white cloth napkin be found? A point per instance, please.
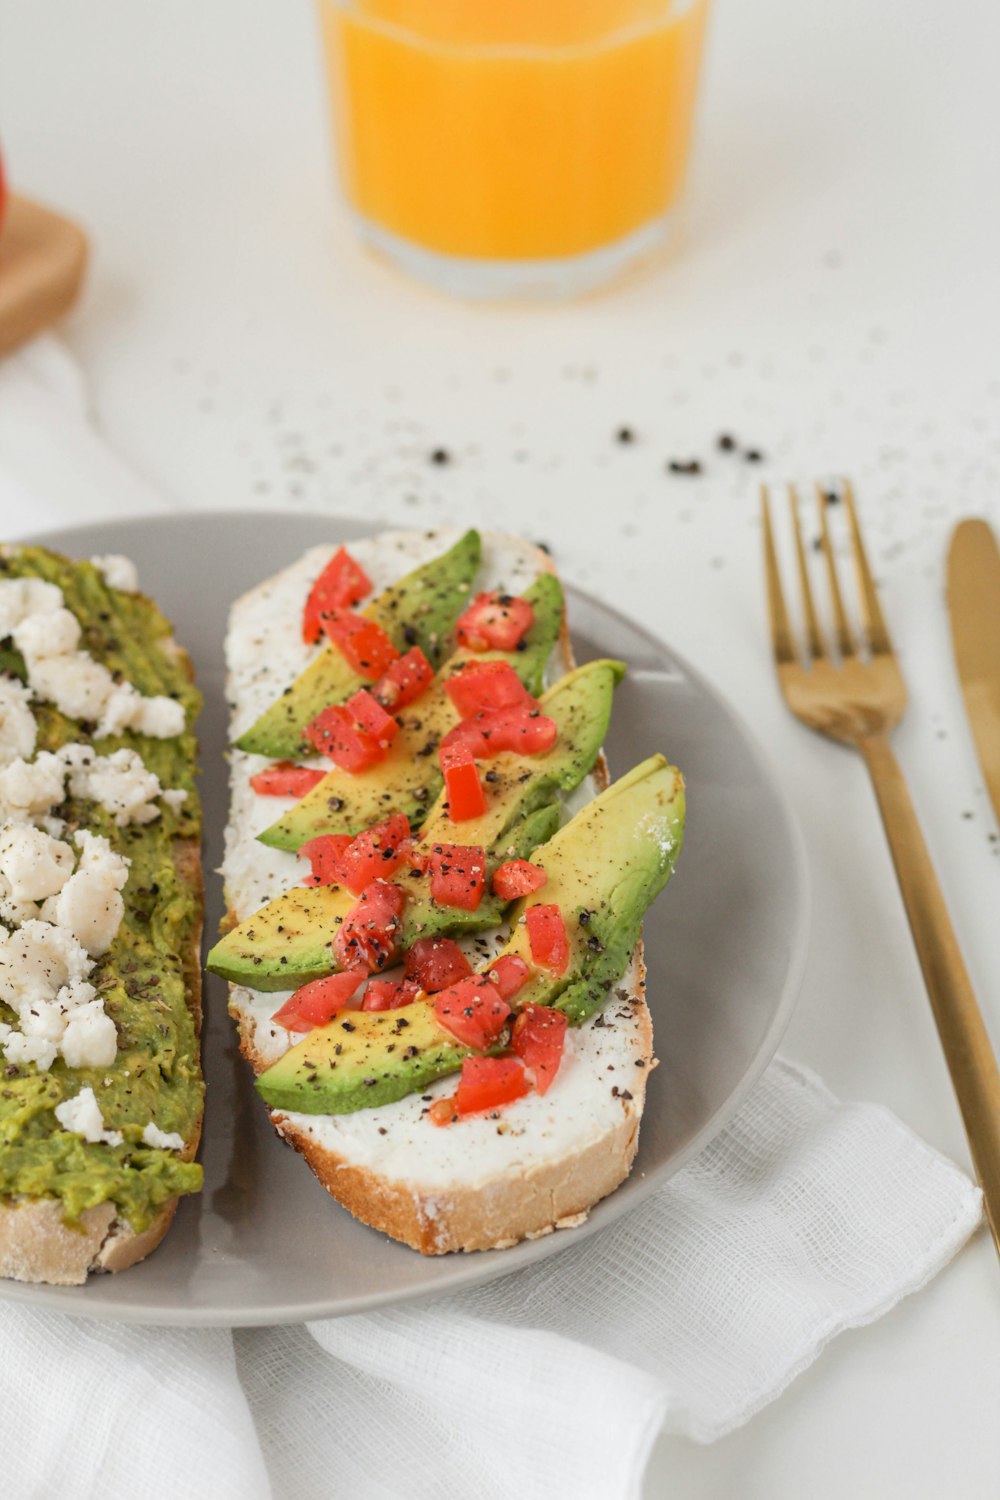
(805, 1217)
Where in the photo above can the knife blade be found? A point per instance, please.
(974, 611)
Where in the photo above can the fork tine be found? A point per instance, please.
(781, 631)
(875, 627)
(814, 637)
(845, 640)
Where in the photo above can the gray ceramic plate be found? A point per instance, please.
(724, 947)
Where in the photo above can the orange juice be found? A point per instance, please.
(512, 130)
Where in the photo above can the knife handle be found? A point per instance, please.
(964, 1038)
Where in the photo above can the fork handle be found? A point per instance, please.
(964, 1039)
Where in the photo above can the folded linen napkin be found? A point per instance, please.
(806, 1216)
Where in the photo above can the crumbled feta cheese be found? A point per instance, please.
(175, 799)
(161, 717)
(22, 1049)
(33, 864)
(77, 685)
(30, 790)
(36, 961)
(82, 1116)
(43, 1018)
(20, 597)
(119, 572)
(119, 782)
(90, 1039)
(18, 731)
(90, 905)
(166, 1140)
(53, 634)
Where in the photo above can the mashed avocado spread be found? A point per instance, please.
(145, 977)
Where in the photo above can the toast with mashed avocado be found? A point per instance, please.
(435, 896)
(101, 1091)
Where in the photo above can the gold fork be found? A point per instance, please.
(856, 697)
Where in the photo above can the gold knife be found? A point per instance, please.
(974, 609)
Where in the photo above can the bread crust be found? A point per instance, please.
(36, 1244)
(504, 1209)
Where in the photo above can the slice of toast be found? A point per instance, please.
(39, 1240)
(490, 1182)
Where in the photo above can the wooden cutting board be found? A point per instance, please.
(42, 259)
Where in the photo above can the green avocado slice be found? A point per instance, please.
(605, 868)
(409, 779)
(419, 610)
(288, 942)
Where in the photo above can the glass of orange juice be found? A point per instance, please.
(513, 147)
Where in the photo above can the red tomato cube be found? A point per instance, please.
(472, 1011)
(436, 962)
(482, 685)
(539, 1038)
(524, 731)
(488, 1083)
(370, 717)
(389, 994)
(342, 583)
(364, 645)
(404, 681)
(369, 934)
(458, 874)
(508, 973)
(335, 735)
(517, 877)
(494, 621)
(376, 852)
(466, 798)
(324, 854)
(315, 1003)
(283, 779)
(548, 938)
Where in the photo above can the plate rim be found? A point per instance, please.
(610, 1209)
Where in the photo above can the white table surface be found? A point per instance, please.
(832, 297)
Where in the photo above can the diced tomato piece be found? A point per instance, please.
(335, 735)
(404, 681)
(363, 644)
(517, 877)
(436, 962)
(488, 1083)
(498, 621)
(283, 779)
(315, 1003)
(443, 1111)
(548, 938)
(472, 1011)
(483, 685)
(539, 1038)
(389, 994)
(324, 855)
(458, 874)
(369, 934)
(369, 716)
(466, 798)
(525, 731)
(508, 974)
(342, 583)
(375, 852)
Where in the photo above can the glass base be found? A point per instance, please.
(541, 280)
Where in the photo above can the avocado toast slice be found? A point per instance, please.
(494, 1178)
(101, 906)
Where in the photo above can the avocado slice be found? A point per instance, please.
(287, 942)
(605, 868)
(409, 779)
(419, 610)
